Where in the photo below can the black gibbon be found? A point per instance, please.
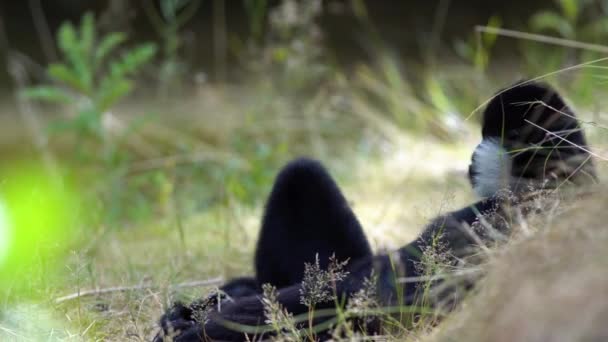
(531, 140)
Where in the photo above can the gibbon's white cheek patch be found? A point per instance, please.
(491, 168)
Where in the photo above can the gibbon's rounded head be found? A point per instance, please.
(530, 139)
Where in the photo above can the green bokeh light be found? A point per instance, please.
(37, 214)
(5, 233)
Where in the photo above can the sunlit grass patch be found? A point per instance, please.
(547, 283)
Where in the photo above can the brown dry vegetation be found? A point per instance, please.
(548, 284)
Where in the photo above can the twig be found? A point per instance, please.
(566, 140)
(185, 158)
(93, 292)
(4, 45)
(31, 119)
(44, 32)
(538, 78)
(439, 21)
(460, 273)
(157, 21)
(11, 332)
(543, 39)
(219, 40)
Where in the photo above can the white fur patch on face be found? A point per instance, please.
(491, 168)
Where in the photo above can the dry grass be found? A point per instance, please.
(395, 187)
(221, 239)
(535, 287)
(548, 285)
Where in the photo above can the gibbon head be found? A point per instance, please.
(530, 140)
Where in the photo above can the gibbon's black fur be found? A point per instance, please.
(530, 139)
(307, 215)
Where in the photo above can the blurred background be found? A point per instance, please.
(168, 120)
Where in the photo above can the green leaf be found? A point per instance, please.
(551, 21)
(464, 49)
(481, 59)
(256, 10)
(48, 93)
(107, 45)
(66, 38)
(280, 54)
(360, 10)
(61, 126)
(87, 33)
(112, 90)
(89, 122)
(61, 73)
(437, 95)
(596, 30)
(488, 38)
(168, 8)
(71, 48)
(570, 9)
(133, 60)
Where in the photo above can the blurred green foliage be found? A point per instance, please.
(293, 99)
(95, 74)
(577, 20)
(90, 78)
(583, 21)
(256, 11)
(285, 42)
(477, 49)
(168, 19)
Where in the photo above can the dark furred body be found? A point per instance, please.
(540, 134)
(249, 310)
(306, 215)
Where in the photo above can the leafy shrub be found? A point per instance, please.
(90, 79)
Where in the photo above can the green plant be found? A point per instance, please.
(477, 48)
(278, 318)
(168, 20)
(289, 48)
(575, 20)
(386, 98)
(89, 79)
(584, 21)
(256, 11)
(95, 73)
